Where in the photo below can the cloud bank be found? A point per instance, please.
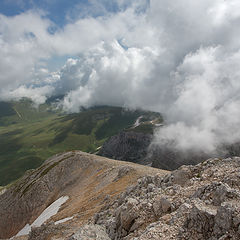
(180, 58)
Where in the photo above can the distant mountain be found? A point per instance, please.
(132, 143)
(127, 146)
(29, 134)
(135, 145)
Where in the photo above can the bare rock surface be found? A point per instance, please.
(90, 232)
(193, 202)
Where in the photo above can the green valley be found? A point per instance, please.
(29, 135)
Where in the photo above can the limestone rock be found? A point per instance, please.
(216, 193)
(227, 219)
(127, 214)
(90, 232)
(161, 205)
(180, 176)
(201, 219)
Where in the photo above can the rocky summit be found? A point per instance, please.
(193, 202)
(111, 199)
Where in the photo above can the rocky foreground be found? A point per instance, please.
(193, 202)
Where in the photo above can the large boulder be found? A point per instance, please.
(201, 220)
(161, 205)
(90, 232)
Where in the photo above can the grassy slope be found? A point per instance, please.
(28, 135)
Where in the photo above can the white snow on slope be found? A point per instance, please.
(137, 123)
(44, 216)
(3, 191)
(63, 220)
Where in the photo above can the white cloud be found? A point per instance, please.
(108, 75)
(225, 11)
(206, 111)
(177, 57)
(37, 94)
(21, 48)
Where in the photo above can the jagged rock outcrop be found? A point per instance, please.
(193, 202)
(127, 146)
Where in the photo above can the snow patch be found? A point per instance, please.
(44, 216)
(63, 220)
(137, 123)
(3, 191)
(24, 231)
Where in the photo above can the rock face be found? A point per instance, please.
(127, 146)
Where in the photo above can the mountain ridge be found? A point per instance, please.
(87, 179)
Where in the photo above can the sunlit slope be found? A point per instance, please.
(29, 135)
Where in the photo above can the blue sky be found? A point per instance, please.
(60, 11)
(56, 9)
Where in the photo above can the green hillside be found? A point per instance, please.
(29, 135)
